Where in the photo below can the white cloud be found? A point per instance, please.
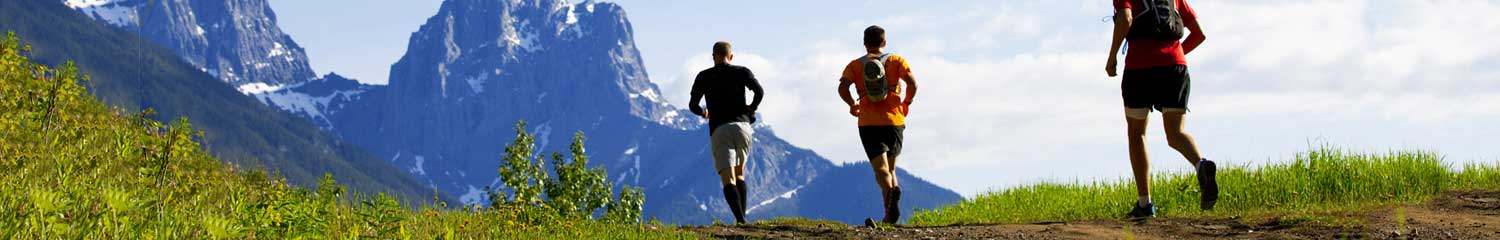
(1015, 93)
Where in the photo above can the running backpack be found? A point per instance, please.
(1158, 19)
(876, 85)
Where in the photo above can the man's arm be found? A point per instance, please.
(697, 97)
(1195, 35)
(844, 84)
(754, 86)
(911, 87)
(1122, 27)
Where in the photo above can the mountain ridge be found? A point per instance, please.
(475, 67)
(237, 129)
(237, 41)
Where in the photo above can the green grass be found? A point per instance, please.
(1318, 185)
(72, 168)
(805, 223)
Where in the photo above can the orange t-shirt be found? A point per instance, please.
(892, 111)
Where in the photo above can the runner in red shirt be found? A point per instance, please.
(1156, 78)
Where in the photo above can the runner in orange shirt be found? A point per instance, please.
(877, 77)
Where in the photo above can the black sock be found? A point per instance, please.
(731, 196)
(744, 208)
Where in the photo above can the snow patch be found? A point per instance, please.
(543, 135)
(631, 150)
(572, 17)
(519, 36)
(297, 102)
(417, 168)
(114, 14)
(786, 195)
(703, 207)
(668, 181)
(570, 29)
(258, 88)
(669, 118)
(276, 50)
(200, 31)
(76, 4)
(473, 195)
(477, 83)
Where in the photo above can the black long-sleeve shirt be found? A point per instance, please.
(725, 85)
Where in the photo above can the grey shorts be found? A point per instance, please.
(730, 145)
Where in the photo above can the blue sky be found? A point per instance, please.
(1014, 92)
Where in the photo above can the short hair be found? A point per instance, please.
(874, 36)
(721, 48)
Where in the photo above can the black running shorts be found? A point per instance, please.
(1156, 87)
(881, 139)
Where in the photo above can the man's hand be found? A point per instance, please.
(705, 114)
(906, 108)
(854, 110)
(1109, 67)
(750, 110)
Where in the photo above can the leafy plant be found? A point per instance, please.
(521, 170)
(577, 190)
(73, 168)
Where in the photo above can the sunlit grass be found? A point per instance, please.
(72, 168)
(1324, 181)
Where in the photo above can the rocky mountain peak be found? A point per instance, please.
(237, 41)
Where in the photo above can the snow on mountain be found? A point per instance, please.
(258, 88)
(786, 195)
(76, 4)
(242, 44)
(106, 10)
(313, 100)
(478, 66)
(474, 69)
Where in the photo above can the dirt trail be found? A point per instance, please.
(1454, 215)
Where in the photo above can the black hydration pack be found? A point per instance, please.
(876, 84)
(1157, 19)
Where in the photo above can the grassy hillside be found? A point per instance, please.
(133, 74)
(71, 167)
(1316, 184)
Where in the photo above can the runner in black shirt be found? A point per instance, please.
(729, 125)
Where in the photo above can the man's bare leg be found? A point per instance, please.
(882, 173)
(1172, 124)
(891, 163)
(739, 172)
(1140, 164)
(1206, 170)
(894, 209)
(885, 177)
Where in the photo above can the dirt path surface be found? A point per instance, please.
(1454, 215)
